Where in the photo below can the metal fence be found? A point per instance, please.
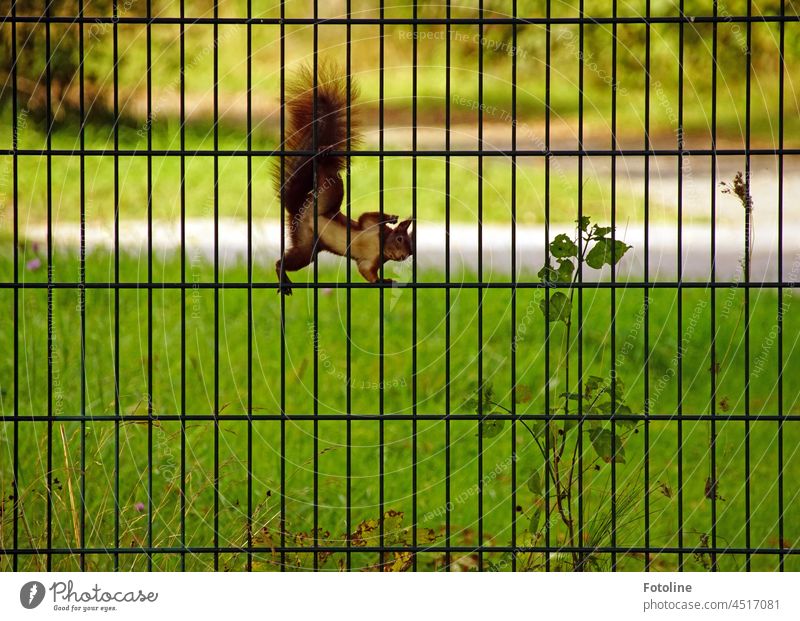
(487, 554)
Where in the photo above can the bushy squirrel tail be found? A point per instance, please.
(330, 120)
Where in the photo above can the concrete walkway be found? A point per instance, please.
(663, 243)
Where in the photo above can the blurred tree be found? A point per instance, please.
(31, 57)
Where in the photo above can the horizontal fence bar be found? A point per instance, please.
(406, 285)
(402, 21)
(415, 550)
(403, 152)
(141, 418)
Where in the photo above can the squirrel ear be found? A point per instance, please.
(403, 226)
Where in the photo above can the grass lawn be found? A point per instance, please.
(365, 180)
(324, 443)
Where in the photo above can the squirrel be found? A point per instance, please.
(298, 191)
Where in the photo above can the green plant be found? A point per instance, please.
(554, 484)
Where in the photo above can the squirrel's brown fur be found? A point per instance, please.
(296, 182)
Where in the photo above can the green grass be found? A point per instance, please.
(330, 457)
(397, 184)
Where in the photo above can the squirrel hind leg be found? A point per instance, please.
(293, 259)
(283, 279)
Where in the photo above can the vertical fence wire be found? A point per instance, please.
(547, 414)
(315, 175)
(613, 282)
(15, 256)
(513, 287)
(581, 250)
(50, 270)
(349, 297)
(747, 258)
(480, 290)
(117, 381)
(679, 352)
(414, 291)
(781, 76)
(182, 106)
(283, 297)
(82, 293)
(646, 291)
(150, 408)
(249, 564)
(381, 335)
(216, 278)
(447, 302)
(713, 275)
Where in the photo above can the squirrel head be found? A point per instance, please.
(398, 243)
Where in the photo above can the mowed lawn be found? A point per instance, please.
(398, 189)
(316, 453)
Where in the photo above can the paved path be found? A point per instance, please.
(464, 243)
